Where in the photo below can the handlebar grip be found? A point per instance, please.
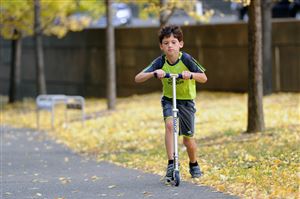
(168, 75)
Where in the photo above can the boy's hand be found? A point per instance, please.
(159, 74)
(186, 75)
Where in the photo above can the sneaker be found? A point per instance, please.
(195, 171)
(169, 173)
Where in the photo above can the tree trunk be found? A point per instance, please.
(266, 8)
(255, 81)
(110, 59)
(163, 13)
(15, 70)
(39, 55)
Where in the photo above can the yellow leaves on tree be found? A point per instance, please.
(153, 8)
(56, 16)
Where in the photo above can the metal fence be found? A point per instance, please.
(76, 65)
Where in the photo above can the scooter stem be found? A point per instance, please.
(175, 132)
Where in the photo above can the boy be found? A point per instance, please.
(175, 61)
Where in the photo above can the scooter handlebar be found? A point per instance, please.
(168, 75)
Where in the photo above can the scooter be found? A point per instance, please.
(176, 177)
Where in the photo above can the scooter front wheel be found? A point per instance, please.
(176, 178)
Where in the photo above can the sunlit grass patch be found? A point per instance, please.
(261, 165)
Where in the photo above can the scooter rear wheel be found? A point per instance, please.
(177, 178)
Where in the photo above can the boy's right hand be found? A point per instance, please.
(160, 74)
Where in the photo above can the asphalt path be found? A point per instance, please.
(34, 166)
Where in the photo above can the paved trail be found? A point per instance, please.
(33, 166)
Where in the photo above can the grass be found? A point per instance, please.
(261, 165)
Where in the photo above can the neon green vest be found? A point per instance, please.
(185, 89)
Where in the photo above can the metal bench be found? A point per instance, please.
(76, 102)
(48, 103)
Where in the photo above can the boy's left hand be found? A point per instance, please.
(186, 75)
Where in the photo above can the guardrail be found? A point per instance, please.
(48, 103)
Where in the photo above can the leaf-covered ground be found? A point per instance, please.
(262, 165)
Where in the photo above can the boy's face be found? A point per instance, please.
(171, 46)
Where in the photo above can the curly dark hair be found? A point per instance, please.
(166, 31)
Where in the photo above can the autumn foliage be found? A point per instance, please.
(262, 165)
